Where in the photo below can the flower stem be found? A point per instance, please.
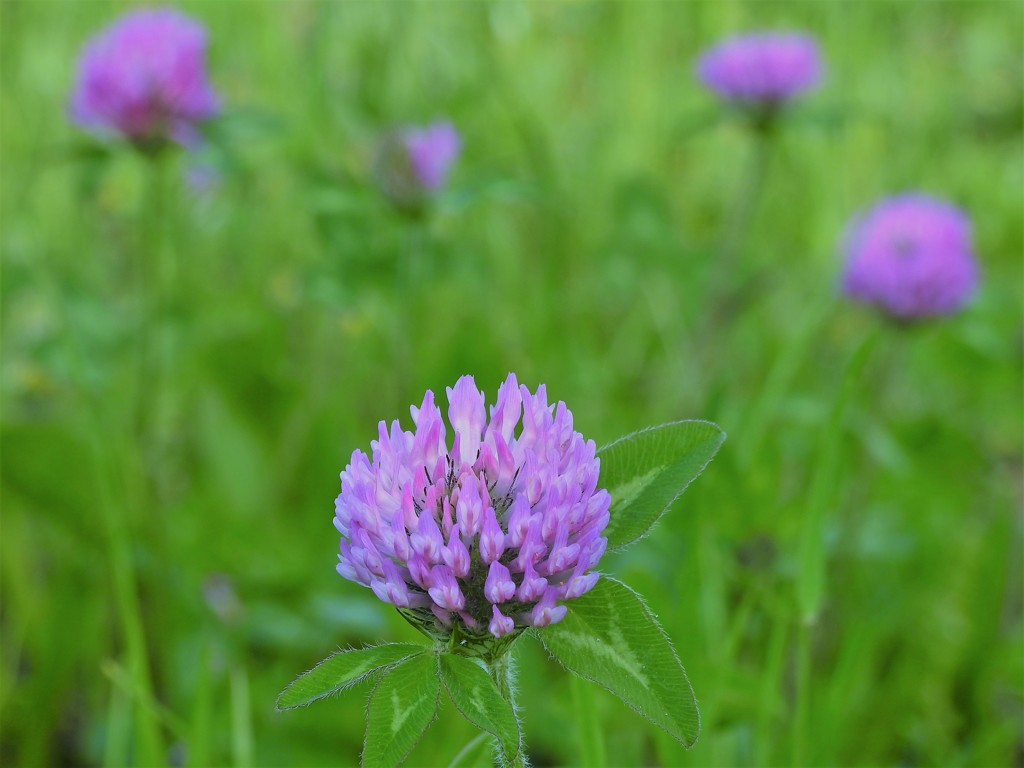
(811, 584)
(779, 378)
(725, 286)
(745, 203)
(408, 277)
(502, 673)
(157, 256)
(726, 273)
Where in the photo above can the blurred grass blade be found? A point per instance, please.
(402, 706)
(118, 730)
(343, 670)
(645, 472)
(477, 752)
(241, 717)
(610, 637)
(121, 678)
(588, 725)
(477, 697)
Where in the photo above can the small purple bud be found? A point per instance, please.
(492, 539)
(595, 551)
(419, 570)
(469, 509)
(456, 555)
(533, 548)
(348, 570)
(467, 414)
(506, 411)
(447, 523)
(443, 617)
(546, 611)
(580, 585)
(563, 558)
(399, 538)
(445, 590)
(367, 552)
(518, 521)
(532, 586)
(427, 539)
(499, 586)
(500, 623)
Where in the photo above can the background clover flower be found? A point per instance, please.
(492, 532)
(762, 68)
(911, 255)
(144, 77)
(432, 150)
(412, 164)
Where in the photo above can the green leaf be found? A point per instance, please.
(401, 707)
(610, 637)
(645, 472)
(476, 696)
(343, 670)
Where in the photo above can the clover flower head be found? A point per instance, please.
(432, 150)
(761, 68)
(490, 533)
(412, 164)
(911, 255)
(144, 78)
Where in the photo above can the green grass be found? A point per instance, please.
(183, 379)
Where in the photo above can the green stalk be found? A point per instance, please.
(112, 461)
(502, 673)
(745, 204)
(771, 683)
(811, 584)
(118, 738)
(725, 284)
(780, 376)
(158, 265)
(408, 276)
(241, 721)
(202, 713)
(801, 714)
(588, 726)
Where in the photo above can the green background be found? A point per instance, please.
(184, 374)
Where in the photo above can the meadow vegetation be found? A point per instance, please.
(194, 344)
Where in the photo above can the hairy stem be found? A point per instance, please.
(503, 675)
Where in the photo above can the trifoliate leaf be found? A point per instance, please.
(343, 670)
(609, 636)
(476, 696)
(401, 707)
(648, 470)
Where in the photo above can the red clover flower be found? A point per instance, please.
(762, 69)
(911, 255)
(144, 78)
(412, 164)
(490, 534)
